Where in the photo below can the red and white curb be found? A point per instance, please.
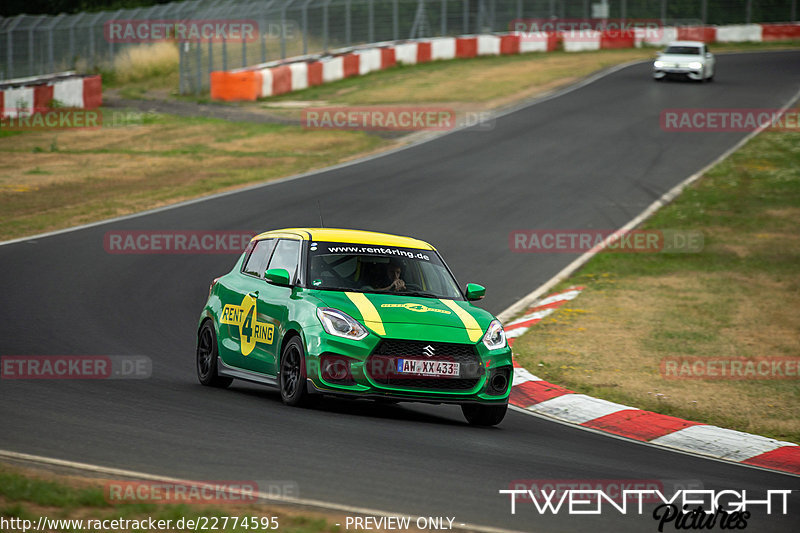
(535, 395)
(298, 73)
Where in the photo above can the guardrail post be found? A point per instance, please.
(325, 33)
(663, 12)
(305, 28)
(347, 23)
(111, 41)
(395, 21)
(181, 69)
(465, 16)
(91, 39)
(793, 13)
(748, 17)
(199, 67)
(31, 29)
(444, 18)
(10, 47)
(704, 12)
(371, 21)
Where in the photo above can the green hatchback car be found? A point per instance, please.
(354, 314)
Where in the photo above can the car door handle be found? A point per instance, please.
(254, 294)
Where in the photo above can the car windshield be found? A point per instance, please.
(683, 50)
(379, 269)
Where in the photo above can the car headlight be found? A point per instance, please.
(341, 324)
(695, 65)
(495, 336)
(658, 64)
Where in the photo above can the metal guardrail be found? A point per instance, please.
(37, 45)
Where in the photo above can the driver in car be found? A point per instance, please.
(392, 280)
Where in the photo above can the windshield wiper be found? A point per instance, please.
(418, 293)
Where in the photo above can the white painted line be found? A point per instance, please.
(720, 442)
(522, 376)
(665, 199)
(532, 316)
(577, 408)
(565, 296)
(261, 495)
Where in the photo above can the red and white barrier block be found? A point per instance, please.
(535, 395)
(25, 97)
(276, 78)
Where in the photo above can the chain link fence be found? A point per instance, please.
(36, 45)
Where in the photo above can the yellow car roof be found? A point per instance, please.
(348, 235)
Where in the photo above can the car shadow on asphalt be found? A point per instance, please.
(343, 406)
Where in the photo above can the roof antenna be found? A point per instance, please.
(319, 209)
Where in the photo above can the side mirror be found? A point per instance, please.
(475, 291)
(278, 276)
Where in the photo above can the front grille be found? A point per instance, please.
(382, 364)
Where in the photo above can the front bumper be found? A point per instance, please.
(474, 384)
(678, 72)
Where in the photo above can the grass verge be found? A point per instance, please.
(55, 179)
(60, 178)
(737, 298)
(29, 494)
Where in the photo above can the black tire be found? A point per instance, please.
(292, 375)
(484, 415)
(207, 358)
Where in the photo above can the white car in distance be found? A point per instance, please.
(690, 59)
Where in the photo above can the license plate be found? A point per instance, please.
(427, 368)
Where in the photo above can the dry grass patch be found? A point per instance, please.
(51, 180)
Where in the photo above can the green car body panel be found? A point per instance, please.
(254, 318)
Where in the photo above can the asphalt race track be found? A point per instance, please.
(592, 158)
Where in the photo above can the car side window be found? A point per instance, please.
(287, 255)
(256, 264)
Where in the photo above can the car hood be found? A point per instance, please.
(395, 315)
